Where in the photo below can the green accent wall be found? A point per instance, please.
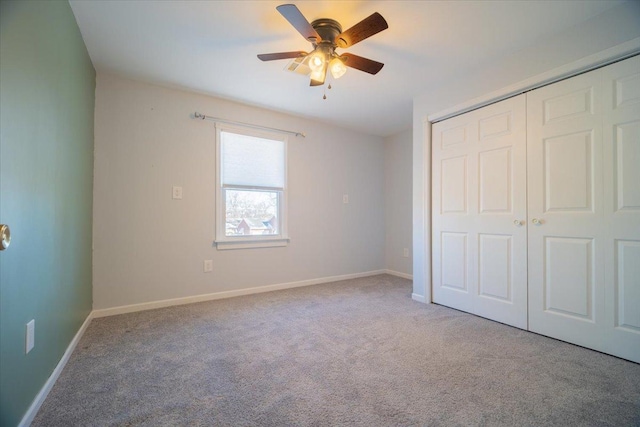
(47, 90)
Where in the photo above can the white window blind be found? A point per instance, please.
(250, 161)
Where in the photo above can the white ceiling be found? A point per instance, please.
(211, 47)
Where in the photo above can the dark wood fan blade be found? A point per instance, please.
(292, 14)
(363, 64)
(362, 30)
(280, 55)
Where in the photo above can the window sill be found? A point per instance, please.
(251, 244)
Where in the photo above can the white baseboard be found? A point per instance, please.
(48, 385)
(226, 294)
(419, 298)
(414, 296)
(399, 274)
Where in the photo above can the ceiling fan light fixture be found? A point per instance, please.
(326, 35)
(318, 76)
(317, 60)
(337, 68)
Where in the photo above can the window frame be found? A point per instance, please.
(223, 241)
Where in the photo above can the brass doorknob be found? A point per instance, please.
(5, 236)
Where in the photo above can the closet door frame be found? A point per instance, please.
(584, 230)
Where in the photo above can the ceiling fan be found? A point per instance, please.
(326, 36)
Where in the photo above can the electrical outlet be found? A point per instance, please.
(345, 198)
(30, 339)
(176, 193)
(208, 265)
(405, 252)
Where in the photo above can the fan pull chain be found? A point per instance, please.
(324, 96)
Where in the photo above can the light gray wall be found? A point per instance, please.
(611, 28)
(148, 247)
(397, 201)
(47, 85)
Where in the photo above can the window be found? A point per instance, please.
(251, 191)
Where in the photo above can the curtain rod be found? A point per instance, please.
(197, 115)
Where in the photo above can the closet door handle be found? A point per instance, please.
(536, 221)
(517, 222)
(5, 236)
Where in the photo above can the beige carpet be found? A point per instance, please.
(358, 352)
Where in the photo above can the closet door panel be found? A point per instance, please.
(479, 212)
(455, 261)
(454, 185)
(621, 121)
(494, 181)
(569, 267)
(495, 262)
(568, 173)
(566, 235)
(626, 158)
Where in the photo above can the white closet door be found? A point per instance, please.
(621, 90)
(566, 231)
(479, 212)
(583, 142)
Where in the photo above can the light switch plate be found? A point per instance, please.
(177, 193)
(345, 198)
(208, 265)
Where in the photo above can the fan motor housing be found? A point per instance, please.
(327, 29)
